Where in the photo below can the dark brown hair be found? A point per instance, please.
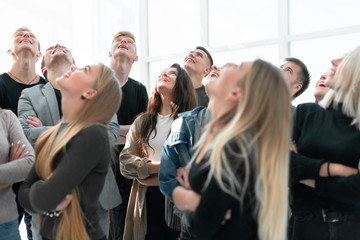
(184, 100)
(303, 75)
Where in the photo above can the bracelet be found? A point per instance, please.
(53, 214)
(328, 169)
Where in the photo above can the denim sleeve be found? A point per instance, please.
(167, 173)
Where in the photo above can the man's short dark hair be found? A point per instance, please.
(303, 76)
(208, 55)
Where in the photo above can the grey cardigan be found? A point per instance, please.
(14, 171)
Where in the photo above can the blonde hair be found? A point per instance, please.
(261, 122)
(347, 87)
(98, 110)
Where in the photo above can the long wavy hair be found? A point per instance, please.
(184, 99)
(98, 110)
(260, 126)
(347, 87)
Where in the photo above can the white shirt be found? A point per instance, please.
(163, 126)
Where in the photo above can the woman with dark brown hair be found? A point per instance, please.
(140, 159)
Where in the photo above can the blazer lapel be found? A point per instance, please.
(50, 97)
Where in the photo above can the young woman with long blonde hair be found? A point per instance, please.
(72, 158)
(239, 176)
(325, 181)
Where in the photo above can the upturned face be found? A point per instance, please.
(320, 87)
(197, 61)
(25, 41)
(78, 81)
(166, 81)
(330, 80)
(292, 71)
(229, 75)
(57, 52)
(124, 46)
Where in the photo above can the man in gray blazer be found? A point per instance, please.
(40, 107)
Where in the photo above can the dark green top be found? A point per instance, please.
(324, 135)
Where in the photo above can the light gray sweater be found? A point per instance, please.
(14, 171)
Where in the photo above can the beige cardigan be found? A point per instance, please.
(133, 166)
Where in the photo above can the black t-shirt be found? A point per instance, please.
(134, 101)
(202, 97)
(58, 99)
(10, 91)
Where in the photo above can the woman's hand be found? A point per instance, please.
(293, 147)
(184, 199)
(308, 182)
(336, 170)
(34, 122)
(17, 151)
(227, 216)
(4, 185)
(64, 203)
(182, 175)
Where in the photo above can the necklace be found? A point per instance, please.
(21, 81)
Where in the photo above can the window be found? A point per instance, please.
(174, 26)
(233, 22)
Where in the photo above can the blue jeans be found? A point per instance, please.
(10, 230)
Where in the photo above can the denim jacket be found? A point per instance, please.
(178, 148)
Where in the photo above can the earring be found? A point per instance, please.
(82, 97)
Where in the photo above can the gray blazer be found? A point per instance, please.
(40, 101)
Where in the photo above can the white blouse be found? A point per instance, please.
(163, 127)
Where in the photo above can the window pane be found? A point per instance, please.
(268, 53)
(233, 22)
(317, 54)
(174, 26)
(310, 16)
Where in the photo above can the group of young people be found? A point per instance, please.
(87, 154)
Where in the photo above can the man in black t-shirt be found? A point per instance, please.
(198, 64)
(25, 51)
(134, 101)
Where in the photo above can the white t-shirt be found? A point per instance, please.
(162, 127)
